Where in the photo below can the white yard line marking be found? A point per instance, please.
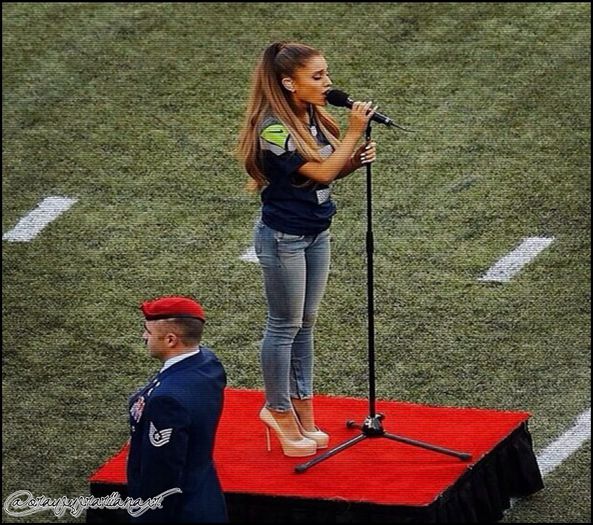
(249, 255)
(566, 445)
(510, 264)
(32, 223)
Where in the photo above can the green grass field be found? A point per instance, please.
(134, 110)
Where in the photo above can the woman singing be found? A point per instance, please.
(290, 148)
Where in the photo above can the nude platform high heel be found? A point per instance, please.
(290, 447)
(320, 438)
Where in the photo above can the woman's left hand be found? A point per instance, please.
(365, 154)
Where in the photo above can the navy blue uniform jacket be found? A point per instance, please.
(173, 421)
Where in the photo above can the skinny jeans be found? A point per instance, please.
(295, 272)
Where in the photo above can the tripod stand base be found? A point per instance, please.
(373, 428)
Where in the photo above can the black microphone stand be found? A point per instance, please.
(372, 426)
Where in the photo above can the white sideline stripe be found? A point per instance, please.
(31, 224)
(504, 269)
(249, 255)
(566, 445)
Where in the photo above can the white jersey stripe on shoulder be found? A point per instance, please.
(268, 146)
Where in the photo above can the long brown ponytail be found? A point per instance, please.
(268, 97)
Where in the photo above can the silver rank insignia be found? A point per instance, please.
(158, 438)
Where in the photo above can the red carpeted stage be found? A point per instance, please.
(377, 480)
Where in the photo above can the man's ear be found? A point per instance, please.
(171, 339)
(288, 84)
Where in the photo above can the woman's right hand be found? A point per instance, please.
(359, 117)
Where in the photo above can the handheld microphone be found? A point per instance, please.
(341, 99)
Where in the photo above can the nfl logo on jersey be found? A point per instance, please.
(323, 195)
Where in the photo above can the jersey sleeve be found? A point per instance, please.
(279, 151)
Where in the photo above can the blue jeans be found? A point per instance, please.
(295, 270)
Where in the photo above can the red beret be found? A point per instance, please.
(167, 307)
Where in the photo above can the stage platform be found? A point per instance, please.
(375, 481)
